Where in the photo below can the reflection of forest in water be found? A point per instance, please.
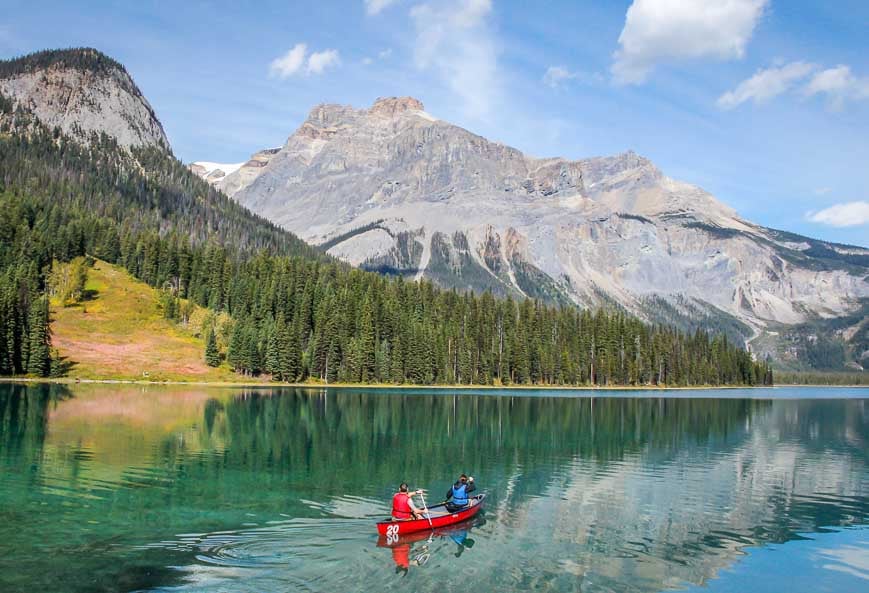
(372, 436)
(652, 490)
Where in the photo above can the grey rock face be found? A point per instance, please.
(395, 189)
(81, 102)
(232, 178)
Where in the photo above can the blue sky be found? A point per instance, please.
(764, 103)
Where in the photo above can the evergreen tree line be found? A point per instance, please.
(148, 190)
(296, 313)
(822, 378)
(85, 59)
(25, 339)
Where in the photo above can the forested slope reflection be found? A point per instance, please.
(643, 493)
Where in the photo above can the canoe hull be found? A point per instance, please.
(439, 518)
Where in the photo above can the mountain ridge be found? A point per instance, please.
(410, 194)
(83, 92)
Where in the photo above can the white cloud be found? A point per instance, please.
(555, 75)
(297, 61)
(290, 63)
(373, 7)
(831, 80)
(658, 31)
(839, 85)
(455, 41)
(842, 215)
(320, 60)
(766, 84)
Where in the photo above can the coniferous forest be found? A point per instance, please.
(295, 313)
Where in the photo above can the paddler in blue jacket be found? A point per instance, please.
(457, 495)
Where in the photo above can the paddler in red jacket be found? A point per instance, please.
(402, 504)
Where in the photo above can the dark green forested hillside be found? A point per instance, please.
(296, 313)
(82, 58)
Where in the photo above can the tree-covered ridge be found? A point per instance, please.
(296, 313)
(97, 195)
(148, 191)
(85, 59)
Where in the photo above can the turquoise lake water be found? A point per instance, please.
(152, 488)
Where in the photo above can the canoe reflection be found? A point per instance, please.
(416, 549)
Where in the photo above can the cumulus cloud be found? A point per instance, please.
(766, 84)
(320, 60)
(842, 215)
(455, 41)
(659, 31)
(297, 61)
(373, 7)
(839, 85)
(290, 63)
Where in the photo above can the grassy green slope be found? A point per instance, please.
(118, 332)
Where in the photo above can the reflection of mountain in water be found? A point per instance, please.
(597, 493)
(660, 521)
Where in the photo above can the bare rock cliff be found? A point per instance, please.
(394, 189)
(82, 92)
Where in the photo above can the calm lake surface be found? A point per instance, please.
(148, 488)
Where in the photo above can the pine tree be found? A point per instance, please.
(212, 354)
(39, 361)
(274, 360)
(236, 352)
(367, 343)
(292, 362)
(383, 362)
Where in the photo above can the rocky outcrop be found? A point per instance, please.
(82, 92)
(392, 106)
(233, 177)
(483, 215)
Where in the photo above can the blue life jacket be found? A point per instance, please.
(460, 497)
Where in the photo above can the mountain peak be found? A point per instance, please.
(82, 58)
(392, 106)
(83, 92)
(382, 188)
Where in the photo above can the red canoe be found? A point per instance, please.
(438, 514)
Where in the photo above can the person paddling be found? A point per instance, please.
(457, 495)
(402, 504)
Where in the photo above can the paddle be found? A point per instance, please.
(427, 514)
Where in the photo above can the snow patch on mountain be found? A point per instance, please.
(214, 171)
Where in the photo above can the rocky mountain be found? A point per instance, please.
(393, 189)
(218, 174)
(213, 172)
(82, 92)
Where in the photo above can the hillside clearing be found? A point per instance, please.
(118, 332)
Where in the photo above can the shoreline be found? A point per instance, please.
(386, 386)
